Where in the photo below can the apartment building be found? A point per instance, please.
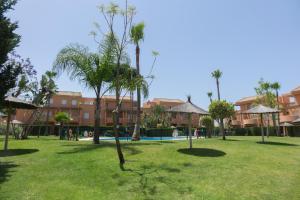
(177, 119)
(289, 106)
(81, 110)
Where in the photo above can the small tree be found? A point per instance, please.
(265, 96)
(157, 116)
(62, 118)
(208, 123)
(221, 110)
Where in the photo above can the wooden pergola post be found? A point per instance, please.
(262, 128)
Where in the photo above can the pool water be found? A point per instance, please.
(142, 138)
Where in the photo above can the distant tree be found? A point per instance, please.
(157, 116)
(210, 94)
(208, 123)
(276, 86)
(221, 110)
(62, 118)
(217, 74)
(26, 81)
(137, 35)
(49, 88)
(265, 96)
(8, 41)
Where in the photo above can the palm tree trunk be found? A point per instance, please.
(97, 118)
(116, 118)
(221, 122)
(218, 87)
(137, 132)
(47, 116)
(278, 117)
(222, 129)
(61, 127)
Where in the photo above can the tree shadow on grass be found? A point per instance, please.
(148, 175)
(202, 152)
(82, 148)
(5, 170)
(231, 140)
(277, 144)
(16, 152)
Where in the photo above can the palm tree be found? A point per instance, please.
(210, 94)
(276, 86)
(137, 35)
(48, 87)
(62, 118)
(217, 74)
(93, 70)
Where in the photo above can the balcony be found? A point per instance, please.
(288, 118)
(250, 122)
(236, 123)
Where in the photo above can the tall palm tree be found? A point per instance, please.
(210, 94)
(48, 87)
(217, 74)
(137, 35)
(91, 69)
(276, 86)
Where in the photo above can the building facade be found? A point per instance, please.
(177, 119)
(81, 110)
(289, 107)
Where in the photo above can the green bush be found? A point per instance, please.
(159, 132)
(252, 131)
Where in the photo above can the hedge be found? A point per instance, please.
(252, 131)
(159, 132)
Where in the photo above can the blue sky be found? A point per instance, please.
(246, 39)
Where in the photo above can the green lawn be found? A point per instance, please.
(239, 168)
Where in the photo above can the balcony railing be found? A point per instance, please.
(250, 122)
(288, 118)
(236, 123)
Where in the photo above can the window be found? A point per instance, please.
(292, 100)
(86, 115)
(74, 102)
(88, 103)
(64, 102)
(51, 101)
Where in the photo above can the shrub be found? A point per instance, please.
(159, 132)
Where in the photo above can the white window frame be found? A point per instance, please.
(64, 102)
(86, 115)
(74, 102)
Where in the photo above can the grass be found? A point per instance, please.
(239, 168)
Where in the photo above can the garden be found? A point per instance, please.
(238, 168)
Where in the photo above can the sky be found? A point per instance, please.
(246, 39)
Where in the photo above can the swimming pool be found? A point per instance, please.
(142, 138)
